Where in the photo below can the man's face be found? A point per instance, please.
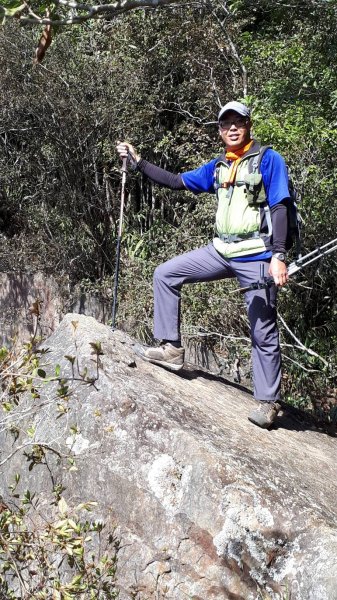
(234, 130)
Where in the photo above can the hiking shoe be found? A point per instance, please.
(264, 414)
(164, 355)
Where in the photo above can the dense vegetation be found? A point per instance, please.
(158, 78)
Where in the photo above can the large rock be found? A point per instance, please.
(208, 506)
(19, 290)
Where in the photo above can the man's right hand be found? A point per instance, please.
(278, 271)
(124, 148)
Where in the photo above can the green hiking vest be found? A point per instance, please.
(242, 208)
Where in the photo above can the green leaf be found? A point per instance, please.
(3, 351)
(10, 4)
(77, 579)
(31, 431)
(12, 12)
(62, 506)
(12, 7)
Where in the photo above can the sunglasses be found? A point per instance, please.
(239, 122)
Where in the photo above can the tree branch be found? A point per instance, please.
(33, 443)
(300, 345)
(232, 46)
(84, 12)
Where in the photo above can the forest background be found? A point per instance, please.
(157, 78)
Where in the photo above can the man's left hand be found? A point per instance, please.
(278, 271)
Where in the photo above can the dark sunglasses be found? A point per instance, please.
(237, 121)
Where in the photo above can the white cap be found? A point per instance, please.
(241, 109)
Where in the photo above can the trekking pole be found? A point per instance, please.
(293, 268)
(119, 237)
(312, 256)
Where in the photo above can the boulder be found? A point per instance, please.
(207, 505)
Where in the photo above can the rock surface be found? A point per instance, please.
(208, 506)
(19, 290)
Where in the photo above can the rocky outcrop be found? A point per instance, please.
(207, 505)
(18, 292)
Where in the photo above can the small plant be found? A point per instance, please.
(53, 558)
(49, 550)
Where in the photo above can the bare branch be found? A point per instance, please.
(298, 364)
(83, 12)
(300, 345)
(29, 444)
(232, 46)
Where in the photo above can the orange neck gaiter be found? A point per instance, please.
(235, 157)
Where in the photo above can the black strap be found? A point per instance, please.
(261, 155)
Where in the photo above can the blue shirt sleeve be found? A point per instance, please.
(200, 180)
(275, 177)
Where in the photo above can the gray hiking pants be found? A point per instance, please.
(206, 264)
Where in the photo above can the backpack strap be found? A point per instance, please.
(261, 155)
(216, 183)
(255, 167)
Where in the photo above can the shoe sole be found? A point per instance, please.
(261, 425)
(160, 363)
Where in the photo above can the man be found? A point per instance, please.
(251, 223)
